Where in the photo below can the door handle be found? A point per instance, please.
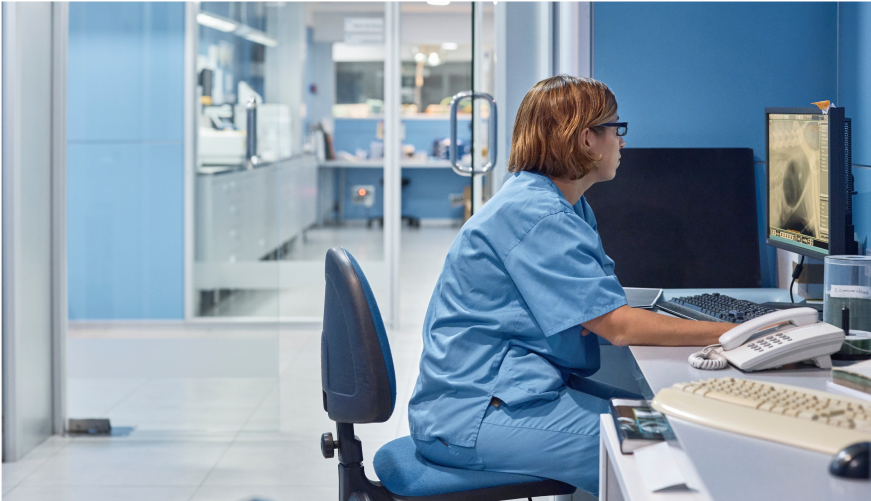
(491, 154)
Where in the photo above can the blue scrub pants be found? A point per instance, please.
(556, 439)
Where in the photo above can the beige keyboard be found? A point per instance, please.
(815, 420)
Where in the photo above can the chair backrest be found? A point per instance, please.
(357, 375)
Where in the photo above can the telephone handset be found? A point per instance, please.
(775, 339)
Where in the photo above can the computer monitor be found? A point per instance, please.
(810, 184)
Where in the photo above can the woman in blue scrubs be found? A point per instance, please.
(507, 335)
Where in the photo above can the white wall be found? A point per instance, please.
(32, 345)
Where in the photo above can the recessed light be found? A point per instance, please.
(216, 22)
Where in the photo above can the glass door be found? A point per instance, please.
(486, 111)
(290, 155)
(446, 58)
(157, 175)
(250, 141)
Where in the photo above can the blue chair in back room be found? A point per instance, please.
(359, 386)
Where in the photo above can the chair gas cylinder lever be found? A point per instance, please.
(328, 445)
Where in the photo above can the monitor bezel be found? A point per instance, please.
(837, 225)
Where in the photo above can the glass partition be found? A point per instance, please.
(237, 143)
(273, 198)
(133, 355)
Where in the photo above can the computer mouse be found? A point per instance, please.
(854, 461)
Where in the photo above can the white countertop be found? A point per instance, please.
(736, 467)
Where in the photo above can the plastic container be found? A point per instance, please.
(847, 289)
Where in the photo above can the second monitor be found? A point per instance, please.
(809, 202)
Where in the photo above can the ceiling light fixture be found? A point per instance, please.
(257, 36)
(217, 23)
(229, 26)
(440, 3)
(434, 59)
(450, 46)
(420, 57)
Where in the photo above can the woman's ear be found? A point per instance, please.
(585, 137)
(588, 140)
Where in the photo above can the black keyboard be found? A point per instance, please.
(714, 308)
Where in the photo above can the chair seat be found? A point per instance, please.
(404, 472)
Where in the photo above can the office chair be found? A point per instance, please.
(359, 386)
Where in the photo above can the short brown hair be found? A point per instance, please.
(549, 122)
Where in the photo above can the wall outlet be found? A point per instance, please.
(363, 194)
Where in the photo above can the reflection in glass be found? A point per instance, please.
(266, 204)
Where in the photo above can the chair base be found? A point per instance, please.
(500, 493)
(354, 485)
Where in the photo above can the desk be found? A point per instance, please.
(735, 467)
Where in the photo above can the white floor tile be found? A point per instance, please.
(119, 462)
(17, 472)
(288, 464)
(267, 493)
(48, 493)
(206, 404)
(267, 416)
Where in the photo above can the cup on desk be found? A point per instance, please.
(847, 303)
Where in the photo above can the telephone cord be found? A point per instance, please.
(709, 359)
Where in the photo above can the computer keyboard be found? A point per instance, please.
(714, 308)
(815, 420)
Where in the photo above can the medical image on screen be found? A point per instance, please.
(794, 176)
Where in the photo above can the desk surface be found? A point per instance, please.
(735, 467)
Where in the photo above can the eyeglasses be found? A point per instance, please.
(622, 127)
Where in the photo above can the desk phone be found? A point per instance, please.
(772, 340)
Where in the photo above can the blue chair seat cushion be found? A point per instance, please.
(403, 471)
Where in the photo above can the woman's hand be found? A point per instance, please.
(631, 326)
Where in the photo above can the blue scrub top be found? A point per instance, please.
(504, 319)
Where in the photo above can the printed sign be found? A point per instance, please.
(857, 291)
(364, 30)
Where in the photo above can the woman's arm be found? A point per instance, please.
(632, 326)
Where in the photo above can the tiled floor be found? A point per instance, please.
(236, 439)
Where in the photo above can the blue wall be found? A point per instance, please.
(125, 165)
(700, 74)
(426, 195)
(854, 81)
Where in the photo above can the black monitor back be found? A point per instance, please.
(681, 218)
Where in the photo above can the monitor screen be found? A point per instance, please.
(798, 181)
